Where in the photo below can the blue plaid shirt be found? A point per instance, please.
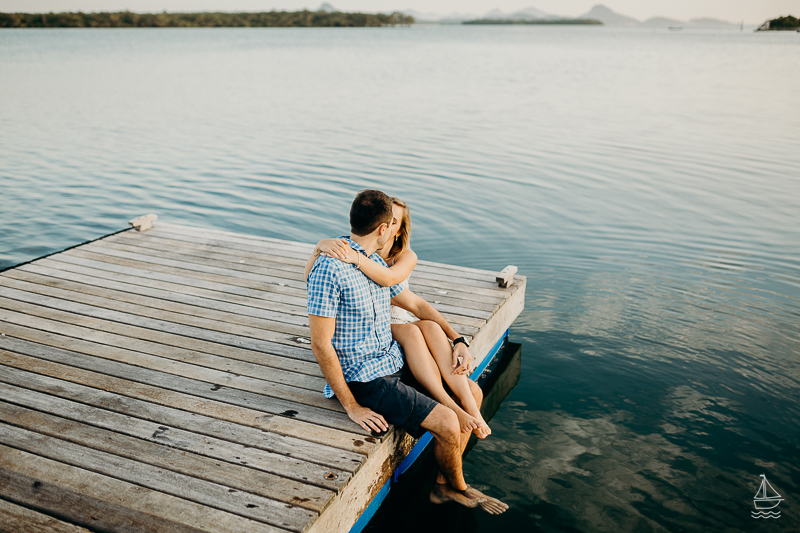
(363, 336)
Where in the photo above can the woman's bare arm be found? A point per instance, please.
(387, 276)
(332, 247)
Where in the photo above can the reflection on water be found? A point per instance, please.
(637, 444)
(645, 182)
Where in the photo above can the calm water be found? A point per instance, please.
(645, 182)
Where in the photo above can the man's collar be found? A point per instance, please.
(354, 245)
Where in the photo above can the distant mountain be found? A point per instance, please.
(711, 23)
(662, 22)
(599, 12)
(495, 14)
(327, 8)
(456, 18)
(529, 13)
(609, 17)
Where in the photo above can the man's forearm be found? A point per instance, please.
(426, 311)
(332, 370)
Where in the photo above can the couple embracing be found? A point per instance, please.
(380, 345)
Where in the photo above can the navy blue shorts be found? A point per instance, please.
(395, 398)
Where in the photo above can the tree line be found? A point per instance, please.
(784, 23)
(272, 19)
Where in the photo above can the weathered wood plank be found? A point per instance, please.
(141, 328)
(263, 264)
(55, 325)
(57, 334)
(17, 519)
(92, 304)
(218, 291)
(252, 291)
(149, 307)
(162, 415)
(194, 295)
(165, 243)
(262, 276)
(342, 513)
(190, 488)
(300, 247)
(230, 293)
(103, 503)
(284, 425)
(184, 233)
(66, 270)
(336, 419)
(301, 253)
(216, 274)
(21, 313)
(465, 299)
(193, 306)
(147, 248)
(195, 302)
(120, 284)
(500, 322)
(289, 249)
(242, 279)
(279, 343)
(214, 460)
(304, 249)
(138, 305)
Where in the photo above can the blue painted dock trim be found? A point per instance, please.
(418, 448)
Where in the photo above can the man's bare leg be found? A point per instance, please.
(447, 449)
(489, 504)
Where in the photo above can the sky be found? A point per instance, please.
(751, 11)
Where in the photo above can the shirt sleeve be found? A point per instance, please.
(396, 289)
(323, 289)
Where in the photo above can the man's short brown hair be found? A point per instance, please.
(370, 209)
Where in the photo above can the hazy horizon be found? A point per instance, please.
(730, 10)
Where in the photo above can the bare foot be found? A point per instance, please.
(466, 421)
(442, 492)
(490, 505)
(482, 429)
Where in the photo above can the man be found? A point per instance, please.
(351, 338)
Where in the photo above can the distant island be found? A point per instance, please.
(271, 19)
(599, 12)
(787, 23)
(534, 21)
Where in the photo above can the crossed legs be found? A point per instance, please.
(464, 388)
(427, 372)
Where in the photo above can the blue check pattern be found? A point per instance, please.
(363, 336)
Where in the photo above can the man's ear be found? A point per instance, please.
(383, 228)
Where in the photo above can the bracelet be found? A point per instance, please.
(358, 263)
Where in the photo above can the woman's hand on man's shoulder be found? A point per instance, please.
(338, 249)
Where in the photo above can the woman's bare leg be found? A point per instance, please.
(426, 371)
(439, 347)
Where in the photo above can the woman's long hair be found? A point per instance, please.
(403, 239)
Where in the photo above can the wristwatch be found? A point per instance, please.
(461, 339)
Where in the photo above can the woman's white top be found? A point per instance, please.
(400, 315)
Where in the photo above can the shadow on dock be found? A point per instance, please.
(407, 507)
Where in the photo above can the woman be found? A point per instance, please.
(425, 342)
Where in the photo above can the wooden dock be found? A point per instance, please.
(163, 381)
